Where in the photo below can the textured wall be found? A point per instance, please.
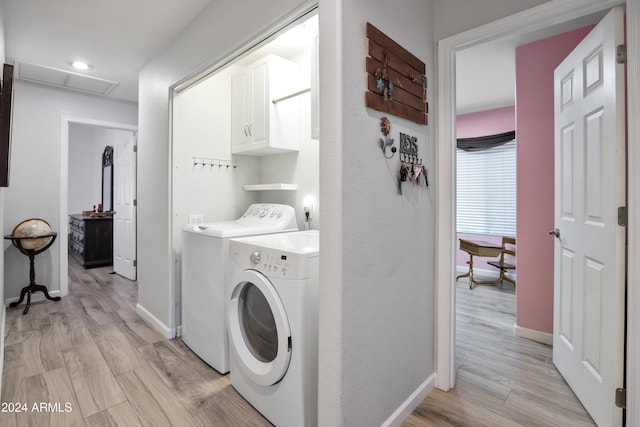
(535, 63)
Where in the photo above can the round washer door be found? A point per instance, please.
(259, 329)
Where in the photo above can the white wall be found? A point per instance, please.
(86, 145)
(85, 169)
(218, 31)
(202, 127)
(34, 188)
(377, 265)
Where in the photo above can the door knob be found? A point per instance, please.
(555, 232)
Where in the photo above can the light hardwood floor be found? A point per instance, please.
(502, 380)
(92, 353)
(103, 365)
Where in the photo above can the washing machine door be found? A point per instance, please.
(259, 329)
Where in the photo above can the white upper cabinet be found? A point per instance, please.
(261, 126)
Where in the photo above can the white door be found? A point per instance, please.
(589, 287)
(124, 200)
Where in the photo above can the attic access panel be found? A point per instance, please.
(397, 81)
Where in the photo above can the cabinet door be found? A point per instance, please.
(240, 102)
(259, 125)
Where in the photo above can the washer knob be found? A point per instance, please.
(255, 257)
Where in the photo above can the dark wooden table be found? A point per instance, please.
(31, 253)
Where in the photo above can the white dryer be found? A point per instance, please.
(273, 325)
(204, 276)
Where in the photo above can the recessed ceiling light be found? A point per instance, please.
(80, 65)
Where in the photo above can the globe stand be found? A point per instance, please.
(31, 253)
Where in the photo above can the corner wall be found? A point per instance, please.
(535, 63)
(377, 268)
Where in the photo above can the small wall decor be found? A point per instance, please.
(411, 166)
(397, 80)
(385, 128)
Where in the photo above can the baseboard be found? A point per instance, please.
(167, 332)
(533, 335)
(179, 331)
(482, 274)
(412, 402)
(35, 297)
(479, 273)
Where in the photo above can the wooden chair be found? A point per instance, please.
(508, 248)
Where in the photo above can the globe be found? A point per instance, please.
(33, 227)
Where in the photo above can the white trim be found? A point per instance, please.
(533, 335)
(412, 402)
(63, 240)
(633, 229)
(167, 332)
(537, 18)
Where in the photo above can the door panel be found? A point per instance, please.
(124, 219)
(588, 344)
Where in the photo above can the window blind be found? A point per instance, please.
(486, 190)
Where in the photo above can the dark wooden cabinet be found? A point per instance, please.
(91, 240)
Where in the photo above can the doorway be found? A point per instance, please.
(84, 125)
(532, 22)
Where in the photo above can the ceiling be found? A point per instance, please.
(486, 73)
(116, 37)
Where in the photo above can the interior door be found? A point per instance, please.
(124, 199)
(589, 250)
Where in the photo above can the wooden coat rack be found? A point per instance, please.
(397, 81)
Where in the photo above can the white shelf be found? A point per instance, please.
(267, 187)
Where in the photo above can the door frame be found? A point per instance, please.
(63, 226)
(538, 18)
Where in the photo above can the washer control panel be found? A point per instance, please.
(273, 263)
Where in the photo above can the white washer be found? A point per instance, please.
(273, 325)
(204, 276)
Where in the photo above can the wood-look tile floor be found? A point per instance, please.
(91, 361)
(502, 380)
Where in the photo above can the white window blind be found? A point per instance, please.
(486, 190)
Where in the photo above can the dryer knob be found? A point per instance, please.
(255, 257)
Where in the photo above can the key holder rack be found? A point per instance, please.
(411, 167)
(207, 161)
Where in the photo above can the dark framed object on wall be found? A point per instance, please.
(6, 102)
(107, 179)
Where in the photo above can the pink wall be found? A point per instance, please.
(535, 63)
(485, 123)
(471, 125)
